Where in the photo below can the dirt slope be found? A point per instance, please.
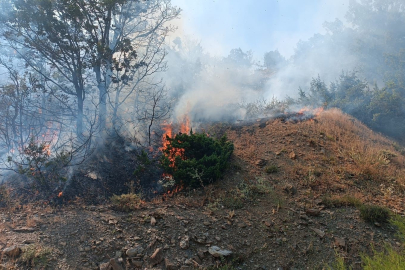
(271, 210)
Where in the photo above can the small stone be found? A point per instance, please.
(152, 221)
(12, 251)
(135, 251)
(201, 254)
(261, 162)
(115, 265)
(217, 238)
(137, 264)
(156, 257)
(118, 254)
(319, 232)
(169, 265)
(197, 260)
(313, 212)
(24, 230)
(185, 242)
(218, 252)
(340, 242)
(292, 155)
(105, 266)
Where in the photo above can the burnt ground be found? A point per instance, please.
(269, 219)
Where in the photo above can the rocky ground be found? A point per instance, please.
(269, 212)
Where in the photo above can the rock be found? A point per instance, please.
(340, 242)
(135, 251)
(12, 251)
(290, 189)
(156, 257)
(217, 252)
(24, 230)
(169, 265)
(201, 254)
(152, 221)
(261, 162)
(197, 260)
(118, 254)
(185, 242)
(137, 264)
(115, 265)
(292, 155)
(319, 232)
(105, 266)
(313, 212)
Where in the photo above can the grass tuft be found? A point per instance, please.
(374, 213)
(126, 202)
(271, 169)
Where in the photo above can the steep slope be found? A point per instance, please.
(288, 201)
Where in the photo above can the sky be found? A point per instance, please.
(260, 26)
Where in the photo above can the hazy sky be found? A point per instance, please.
(261, 25)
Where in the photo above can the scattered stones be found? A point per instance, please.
(218, 252)
(135, 251)
(156, 257)
(12, 251)
(185, 242)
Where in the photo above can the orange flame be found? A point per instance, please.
(168, 128)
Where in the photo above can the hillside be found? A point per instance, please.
(288, 201)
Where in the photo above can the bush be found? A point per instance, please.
(374, 213)
(271, 169)
(195, 160)
(126, 202)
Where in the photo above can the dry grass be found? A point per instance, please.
(335, 154)
(371, 154)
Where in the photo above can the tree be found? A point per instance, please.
(273, 60)
(112, 39)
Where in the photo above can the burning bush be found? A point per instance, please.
(196, 159)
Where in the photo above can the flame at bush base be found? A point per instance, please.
(184, 128)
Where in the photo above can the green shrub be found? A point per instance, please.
(345, 200)
(126, 202)
(271, 169)
(374, 213)
(195, 160)
(35, 256)
(386, 259)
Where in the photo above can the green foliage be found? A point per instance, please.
(374, 213)
(145, 162)
(386, 259)
(126, 202)
(35, 256)
(399, 222)
(196, 159)
(271, 169)
(346, 200)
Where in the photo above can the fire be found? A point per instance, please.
(168, 133)
(60, 194)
